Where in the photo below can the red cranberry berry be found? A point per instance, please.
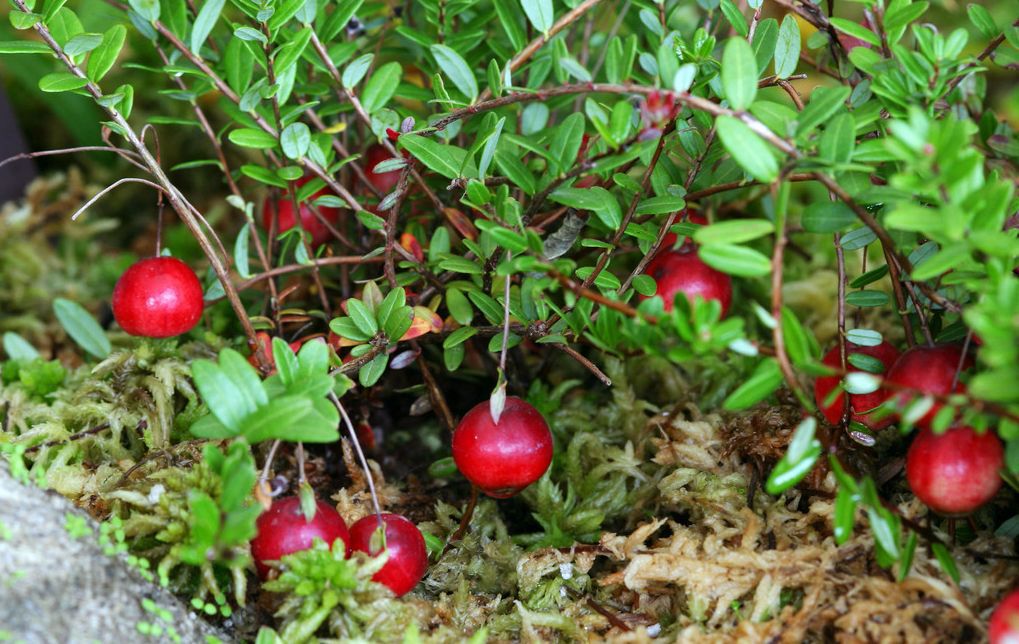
(956, 472)
(408, 558)
(926, 370)
(285, 219)
(683, 272)
(859, 404)
(505, 458)
(1004, 626)
(384, 182)
(284, 530)
(158, 297)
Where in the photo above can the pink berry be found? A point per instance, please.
(285, 219)
(408, 557)
(505, 458)
(158, 297)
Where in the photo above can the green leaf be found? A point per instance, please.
(447, 160)
(371, 372)
(222, 394)
(733, 232)
(660, 205)
(457, 69)
(540, 13)
(507, 12)
(459, 307)
(491, 145)
(739, 73)
(82, 44)
(764, 381)
(597, 199)
(460, 265)
(381, 87)
(291, 52)
(105, 55)
(982, 19)
(21, 20)
(280, 419)
(735, 260)
(458, 337)
(356, 70)
(748, 149)
(24, 47)
(787, 50)
(827, 217)
(824, 102)
(735, 18)
(82, 327)
(61, 82)
(295, 140)
(204, 22)
(362, 317)
(147, 9)
(845, 515)
(856, 30)
(799, 459)
(252, 138)
(18, 348)
(867, 298)
(838, 140)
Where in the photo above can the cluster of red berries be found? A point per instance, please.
(954, 472)
(284, 530)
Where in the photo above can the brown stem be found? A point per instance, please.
(584, 362)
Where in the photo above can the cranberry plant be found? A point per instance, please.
(480, 184)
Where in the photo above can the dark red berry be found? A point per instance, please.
(505, 458)
(926, 370)
(384, 182)
(683, 272)
(159, 297)
(284, 530)
(1004, 625)
(956, 472)
(408, 558)
(859, 404)
(309, 222)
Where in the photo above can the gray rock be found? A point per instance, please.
(55, 587)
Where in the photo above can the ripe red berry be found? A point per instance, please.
(683, 272)
(284, 530)
(927, 370)
(384, 182)
(158, 297)
(1004, 625)
(285, 215)
(956, 472)
(408, 558)
(859, 404)
(505, 458)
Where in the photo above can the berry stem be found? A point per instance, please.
(360, 455)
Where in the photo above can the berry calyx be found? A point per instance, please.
(956, 472)
(408, 557)
(283, 529)
(683, 272)
(859, 404)
(158, 297)
(285, 219)
(1004, 625)
(505, 458)
(927, 370)
(384, 182)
